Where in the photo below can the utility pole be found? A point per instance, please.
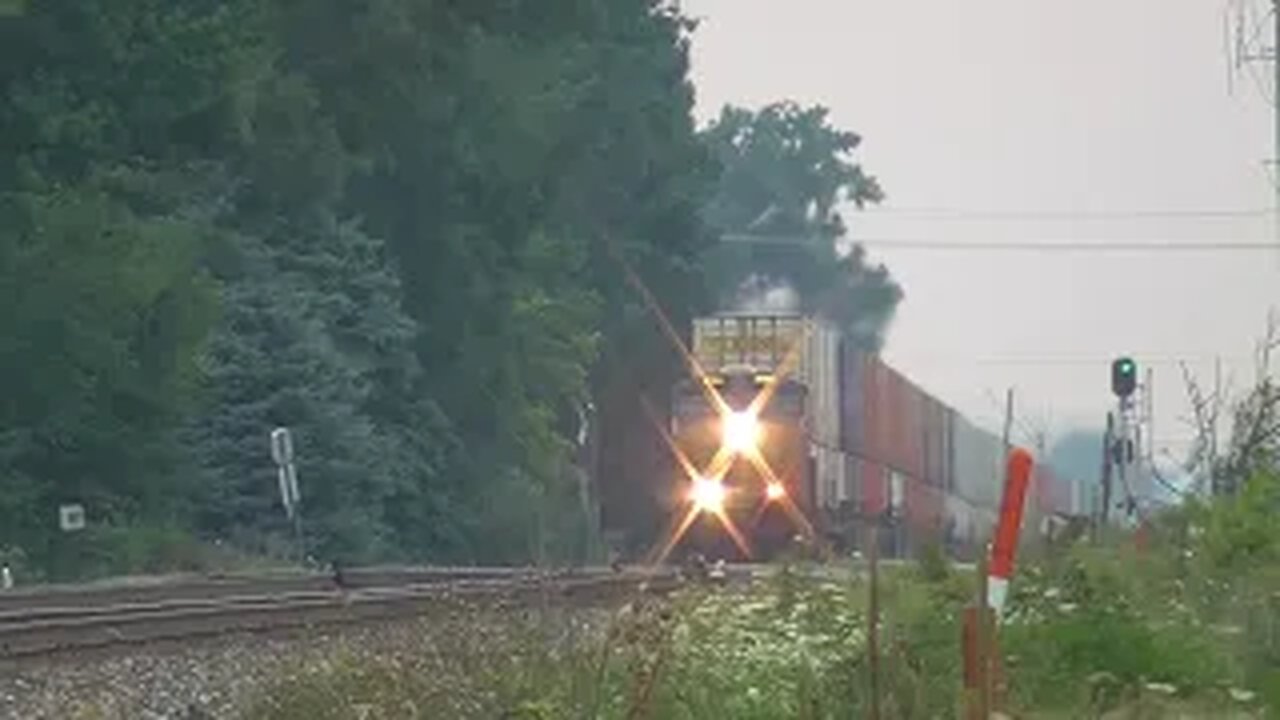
(1146, 437)
(1008, 419)
(1124, 451)
(1108, 450)
(1214, 489)
(1150, 397)
(873, 618)
(1249, 47)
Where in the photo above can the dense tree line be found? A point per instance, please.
(391, 225)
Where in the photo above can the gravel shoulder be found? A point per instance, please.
(218, 677)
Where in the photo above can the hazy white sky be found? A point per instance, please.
(1032, 106)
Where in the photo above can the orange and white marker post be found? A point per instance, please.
(1017, 481)
(983, 669)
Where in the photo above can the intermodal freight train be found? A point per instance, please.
(786, 431)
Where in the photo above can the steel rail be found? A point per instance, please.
(211, 586)
(44, 630)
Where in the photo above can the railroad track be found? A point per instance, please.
(60, 620)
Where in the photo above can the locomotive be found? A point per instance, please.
(786, 432)
(741, 425)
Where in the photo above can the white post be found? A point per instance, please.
(287, 477)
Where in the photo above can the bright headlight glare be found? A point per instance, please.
(741, 431)
(707, 495)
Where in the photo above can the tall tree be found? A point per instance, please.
(497, 183)
(383, 224)
(107, 111)
(787, 171)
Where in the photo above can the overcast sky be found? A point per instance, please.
(1066, 109)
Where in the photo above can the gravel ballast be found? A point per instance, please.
(217, 677)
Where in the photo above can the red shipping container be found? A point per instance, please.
(912, 437)
(948, 480)
(893, 418)
(872, 420)
(917, 418)
(875, 491)
(888, 415)
(852, 398)
(936, 431)
(924, 508)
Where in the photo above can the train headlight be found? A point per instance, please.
(707, 495)
(741, 432)
(775, 491)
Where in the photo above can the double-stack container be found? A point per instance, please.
(878, 444)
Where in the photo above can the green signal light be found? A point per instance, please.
(1124, 372)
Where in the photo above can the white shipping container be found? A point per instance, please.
(819, 370)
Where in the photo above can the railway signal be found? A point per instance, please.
(1124, 377)
(287, 476)
(282, 454)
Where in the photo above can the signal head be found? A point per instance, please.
(1124, 377)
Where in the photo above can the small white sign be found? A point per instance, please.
(289, 497)
(71, 517)
(281, 446)
(294, 496)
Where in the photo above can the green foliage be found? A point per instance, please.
(789, 160)
(1096, 635)
(700, 655)
(381, 224)
(1239, 534)
(786, 171)
(1193, 612)
(106, 311)
(1233, 577)
(932, 561)
(1096, 617)
(321, 360)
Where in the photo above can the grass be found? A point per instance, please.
(792, 648)
(796, 648)
(1188, 627)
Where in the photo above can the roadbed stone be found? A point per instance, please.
(216, 677)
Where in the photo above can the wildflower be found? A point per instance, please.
(1242, 696)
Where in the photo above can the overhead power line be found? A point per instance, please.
(1061, 361)
(1068, 245)
(1132, 214)
(1224, 245)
